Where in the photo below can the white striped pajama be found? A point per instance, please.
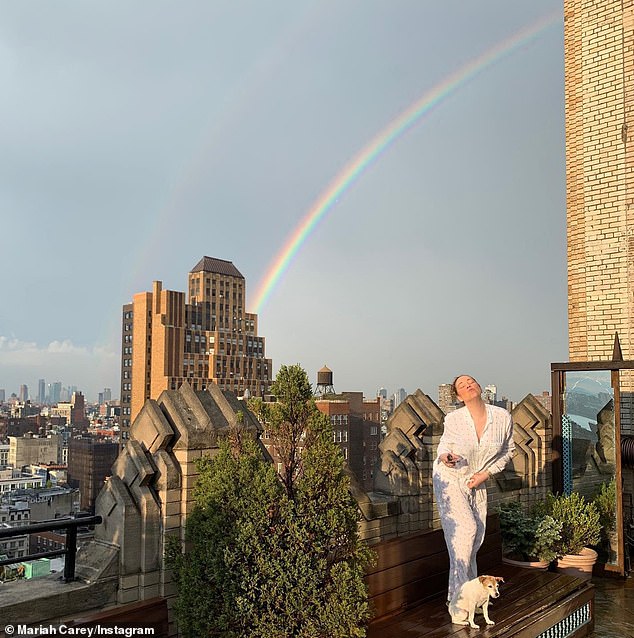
(463, 510)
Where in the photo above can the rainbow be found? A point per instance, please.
(380, 143)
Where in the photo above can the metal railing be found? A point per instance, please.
(70, 549)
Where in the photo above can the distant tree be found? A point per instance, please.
(269, 556)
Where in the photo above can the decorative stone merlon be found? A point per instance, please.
(402, 500)
(150, 493)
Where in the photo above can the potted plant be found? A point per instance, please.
(580, 527)
(528, 539)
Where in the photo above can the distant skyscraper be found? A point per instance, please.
(490, 394)
(2, 395)
(398, 397)
(55, 392)
(107, 394)
(166, 340)
(446, 399)
(381, 392)
(41, 391)
(24, 393)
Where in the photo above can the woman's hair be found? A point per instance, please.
(454, 390)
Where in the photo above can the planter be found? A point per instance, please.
(579, 565)
(536, 564)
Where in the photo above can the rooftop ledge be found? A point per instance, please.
(50, 599)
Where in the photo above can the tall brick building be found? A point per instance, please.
(599, 84)
(356, 425)
(210, 337)
(89, 463)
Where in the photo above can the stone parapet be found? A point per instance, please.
(402, 501)
(148, 498)
(150, 495)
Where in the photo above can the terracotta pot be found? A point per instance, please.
(579, 565)
(536, 564)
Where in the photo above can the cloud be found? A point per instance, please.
(89, 368)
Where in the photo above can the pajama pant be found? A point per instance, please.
(463, 516)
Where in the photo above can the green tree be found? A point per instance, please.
(269, 556)
(293, 421)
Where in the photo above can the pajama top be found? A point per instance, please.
(493, 451)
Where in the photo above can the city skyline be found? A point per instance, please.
(214, 129)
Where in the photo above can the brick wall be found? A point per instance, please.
(598, 65)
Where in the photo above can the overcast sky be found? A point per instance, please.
(139, 136)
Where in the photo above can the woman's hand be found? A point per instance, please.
(477, 479)
(449, 459)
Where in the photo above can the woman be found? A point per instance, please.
(477, 442)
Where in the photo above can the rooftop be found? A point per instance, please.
(218, 266)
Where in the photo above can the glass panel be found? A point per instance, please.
(589, 451)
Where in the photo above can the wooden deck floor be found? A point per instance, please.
(530, 603)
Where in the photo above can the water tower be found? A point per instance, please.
(324, 382)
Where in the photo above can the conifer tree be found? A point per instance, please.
(271, 556)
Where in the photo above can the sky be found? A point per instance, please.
(138, 137)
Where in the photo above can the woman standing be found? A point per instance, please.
(477, 442)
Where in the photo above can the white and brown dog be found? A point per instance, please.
(474, 593)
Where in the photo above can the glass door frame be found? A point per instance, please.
(558, 374)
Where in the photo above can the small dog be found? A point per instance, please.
(474, 593)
